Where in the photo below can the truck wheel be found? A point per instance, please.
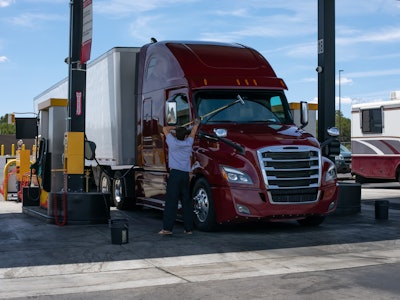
(311, 221)
(203, 204)
(105, 183)
(121, 200)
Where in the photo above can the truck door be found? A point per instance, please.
(154, 150)
(153, 158)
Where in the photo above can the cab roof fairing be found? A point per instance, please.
(211, 64)
(219, 59)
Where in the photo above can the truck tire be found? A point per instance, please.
(104, 183)
(311, 221)
(203, 204)
(121, 201)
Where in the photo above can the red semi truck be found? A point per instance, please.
(250, 161)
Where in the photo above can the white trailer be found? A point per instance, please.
(375, 141)
(110, 117)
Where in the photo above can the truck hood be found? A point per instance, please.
(256, 136)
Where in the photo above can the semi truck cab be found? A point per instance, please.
(250, 161)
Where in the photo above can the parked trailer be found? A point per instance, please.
(375, 141)
(250, 161)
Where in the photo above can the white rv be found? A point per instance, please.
(375, 140)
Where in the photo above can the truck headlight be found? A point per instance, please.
(331, 173)
(235, 176)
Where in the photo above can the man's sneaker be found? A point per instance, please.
(165, 232)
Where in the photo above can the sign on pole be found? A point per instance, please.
(87, 29)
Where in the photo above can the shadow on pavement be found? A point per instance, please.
(27, 241)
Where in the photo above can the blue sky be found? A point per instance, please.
(34, 41)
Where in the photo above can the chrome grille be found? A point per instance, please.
(291, 173)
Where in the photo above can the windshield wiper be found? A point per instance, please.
(218, 110)
(213, 137)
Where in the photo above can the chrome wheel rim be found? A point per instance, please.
(105, 187)
(117, 190)
(201, 205)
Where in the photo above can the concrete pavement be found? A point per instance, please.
(46, 261)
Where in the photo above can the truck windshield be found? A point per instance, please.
(258, 107)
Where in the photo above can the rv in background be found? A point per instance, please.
(375, 140)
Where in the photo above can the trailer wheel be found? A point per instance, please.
(203, 204)
(120, 198)
(311, 221)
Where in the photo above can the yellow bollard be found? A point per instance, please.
(12, 149)
(5, 176)
(2, 149)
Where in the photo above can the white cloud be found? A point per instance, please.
(373, 96)
(5, 3)
(31, 19)
(352, 36)
(355, 8)
(310, 79)
(124, 8)
(233, 21)
(343, 100)
(3, 59)
(366, 99)
(46, 1)
(303, 50)
(239, 35)
(234, 13)
(344, 81)
(142, 30)
(374, 73)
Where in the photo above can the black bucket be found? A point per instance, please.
(349, 199)
(119, 231)
(381, 209)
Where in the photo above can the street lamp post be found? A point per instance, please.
(340, 103)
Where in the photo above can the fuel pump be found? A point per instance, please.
(69, 201)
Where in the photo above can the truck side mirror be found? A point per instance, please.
(333, 131)
(331, 147)
(170, 111)
(303, 114)
(90, 149)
